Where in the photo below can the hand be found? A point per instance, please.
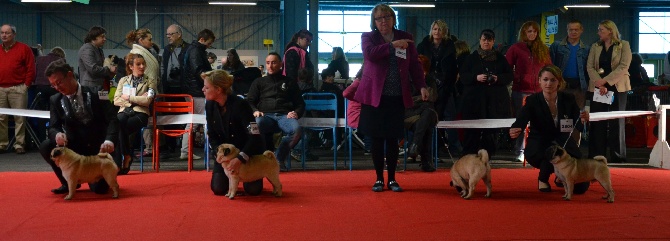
(292, 115)
(584, 116)
(61, 139)
(602, 90)
(402, 43)
(258, 114)
(234, 165)
(481, 78)
(125, 97)
(107, 147)
(495, 78)
(145, 94)
(514, 132)
(424, 94)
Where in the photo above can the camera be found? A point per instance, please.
(175, 72)
(489, 77)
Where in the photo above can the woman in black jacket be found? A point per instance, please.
(339, 63)
(553, 116)
(228, 120)
(440, 50)
(485, 76)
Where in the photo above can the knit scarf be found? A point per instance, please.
(487, 55)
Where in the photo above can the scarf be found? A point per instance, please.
(487, 55)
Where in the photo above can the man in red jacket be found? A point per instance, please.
(17, 72)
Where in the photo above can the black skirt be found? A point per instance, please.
(385, 121)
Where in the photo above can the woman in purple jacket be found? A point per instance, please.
(391, 65)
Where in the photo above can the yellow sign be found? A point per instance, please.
(547, 28)
(268, 42)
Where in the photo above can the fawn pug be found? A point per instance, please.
(571, 170)
(257, 167)
(85, 169)
(467, 171)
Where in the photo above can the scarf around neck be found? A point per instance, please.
(487, 55)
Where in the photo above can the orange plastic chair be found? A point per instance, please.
(171, 104)
(525, 135)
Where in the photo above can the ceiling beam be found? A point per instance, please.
(524, 10)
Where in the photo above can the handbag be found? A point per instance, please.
(129, 111)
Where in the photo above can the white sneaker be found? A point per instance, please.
(184, 156)
(520, 158)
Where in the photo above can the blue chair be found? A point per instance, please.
(348, 131)
(321, 102)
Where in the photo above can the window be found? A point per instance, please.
(654, 30)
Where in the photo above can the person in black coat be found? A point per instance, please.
(228, 120)
(173, 59)
(296, 56)
(195, 63)
(485, 76)
(339, 63)
(77, 111)
(440, 50)
(553, 116)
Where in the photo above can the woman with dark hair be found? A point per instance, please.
(296, 56)
(553, 115)
(134, 94)
(638, 75)
(607, 66)
(526, 58)
(233, 62)
(92, 73)
(228, 120)
(391, 68)
(485, 75)
(339, 63)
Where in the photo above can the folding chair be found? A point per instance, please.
(166, 105)
(321, 102)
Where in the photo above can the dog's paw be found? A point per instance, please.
(115, 196)
(487, 195)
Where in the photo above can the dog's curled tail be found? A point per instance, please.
(600, 158)
(483, 155)
(270, 154)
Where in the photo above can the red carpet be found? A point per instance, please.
(336, 205)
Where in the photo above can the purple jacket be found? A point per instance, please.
(375, 54)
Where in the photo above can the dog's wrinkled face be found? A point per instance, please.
(226, 152)
(56, 153)
(557, 153)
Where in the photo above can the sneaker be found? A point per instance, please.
(520, 158)
(366, 153)
(378, 187)
(144, 154)
(393, 185)
(184, 156)
(295, 156)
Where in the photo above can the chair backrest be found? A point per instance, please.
(172, 104)
(320, 102)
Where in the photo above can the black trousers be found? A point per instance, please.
(220, 183)
(538, 156)
(127, 126)
(609, 133)
(99, 187)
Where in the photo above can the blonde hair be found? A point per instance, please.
(539, 51)
(444, 29)
(220, 79)
(611, 26)
(461, 48)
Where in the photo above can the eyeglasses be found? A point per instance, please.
(387, 18)
(57, 84)
(170, 34)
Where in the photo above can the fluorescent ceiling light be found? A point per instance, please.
(412, 5)
(588, 6)
(46, 1)
(233, 3)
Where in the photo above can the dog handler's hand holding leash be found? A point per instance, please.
(584, 117)
(61, 139)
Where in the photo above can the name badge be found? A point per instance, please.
(253, 128)
(566, 125)
(103, 94)
(402, 53)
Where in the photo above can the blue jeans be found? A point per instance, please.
(271, 123)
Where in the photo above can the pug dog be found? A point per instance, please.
(467, 171)
(257, 167)
(85, 169)
(571, 170)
